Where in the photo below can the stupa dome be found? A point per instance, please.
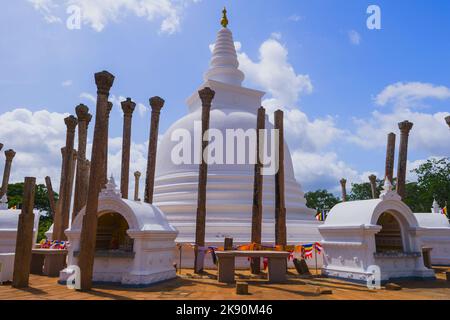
(229, 186)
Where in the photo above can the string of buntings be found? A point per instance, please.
(53, 244)
(304, 250)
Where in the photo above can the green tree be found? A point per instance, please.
(321, 199)
(41, 203)
(433, 182)
(363, 191)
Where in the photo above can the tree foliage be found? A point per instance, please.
(321, 200)
(433, 182)
(363, 191)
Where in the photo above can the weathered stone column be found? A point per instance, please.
(61, 221)
(344, 189)
(280, 202)
(63, 176)
(405, 127)
(137, 177)
(373, 185)
(447, 119)
(51, 196)
(257, 209)
(9, 154)
(207, 96)
(24, 239)
(390, 156)
(104, 179)
(72, 173)
(82, 174)
(104, 81)
(128, 108)
(157, 104)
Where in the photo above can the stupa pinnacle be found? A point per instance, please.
(224, 21)
(224, 62)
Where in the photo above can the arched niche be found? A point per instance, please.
(390, 237)
(112, 233)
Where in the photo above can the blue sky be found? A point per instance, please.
(358, 91)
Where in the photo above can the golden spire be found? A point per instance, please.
(224, 21)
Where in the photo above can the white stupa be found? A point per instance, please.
(230, 186)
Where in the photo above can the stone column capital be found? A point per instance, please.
(83, 114)
(157, 103)
(128, 107)
(10, 154)
(137, 174)
(373, 178)
(405, 127)
(71, 123)
(104, 81)
(206, 95)
(447, 119)
(343, 182)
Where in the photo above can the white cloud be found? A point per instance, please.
(46, 7)
(88, 96)
(295, 18)
(322, 171)
(430, 132)
(275, 74)
(37, 138)
(67, 83)
(354, 37)
(409, 94)
(99, 13)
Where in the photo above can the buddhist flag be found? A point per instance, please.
(444, 212)
(321, 215)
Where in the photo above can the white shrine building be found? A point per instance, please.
(436, 234)
(135, 244)
(9, 220)
(230, 186)
(381, 236)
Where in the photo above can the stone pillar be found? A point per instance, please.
(390, 156)
(61, 221)
(373, 186)
(344, 189)
(82, 177)
(405, 127)
(257, 209)
(447, 119)
(128, 108)
(24, 239)
(9, 154)
(104, 81)
(1, 146)
(51, 196)
(157, 104)
(72, 173)
(206, 96)
(137, 177)
(280, 202)
(104, 179)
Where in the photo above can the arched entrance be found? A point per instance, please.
(112, 233)
(389, 239)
